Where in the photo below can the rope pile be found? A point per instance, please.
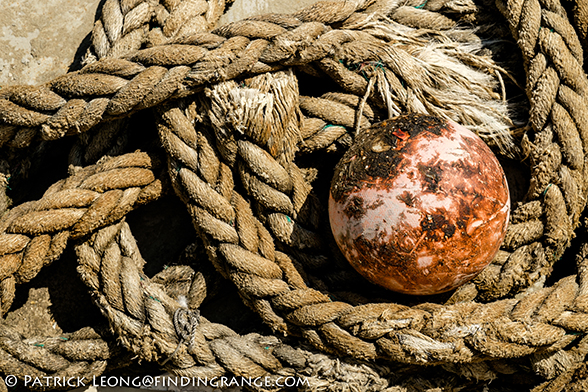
(251, 118)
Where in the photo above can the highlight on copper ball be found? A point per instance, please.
(419, 204)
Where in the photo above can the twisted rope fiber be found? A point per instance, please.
(286, 208)
(123, 28)
(579, 10)
(125, 68)
(135, 14)
(183, 18)
(143, 90)
(35, 233)
(424, 334)
(79, 354)
(262, 289)
(158, 326)
(124, 25)
(161, 73)
(556, 87)
(146, 320)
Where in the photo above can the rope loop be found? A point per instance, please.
(249, 119)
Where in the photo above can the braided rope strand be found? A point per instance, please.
(35, 234)
(502, 329)
(254, 207)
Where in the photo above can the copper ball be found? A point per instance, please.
(419, 204)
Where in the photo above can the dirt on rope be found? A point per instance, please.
(244, 124)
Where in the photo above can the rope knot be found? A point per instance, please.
(185, 322)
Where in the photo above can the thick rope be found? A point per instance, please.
(125, 38)
(271, 284)
(209, 170)
(149, 86)
(579, 18)
(556, 87)
(157, 327)
(262, 289)
(123, 28)
(179, 19)
(160, 73)
(124, 25)
(36, 233)
(53, 361)
(168, 329)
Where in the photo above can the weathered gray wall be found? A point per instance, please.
(244, 8)
(39, 38)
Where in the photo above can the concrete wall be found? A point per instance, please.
(244, 8)
(39, 38)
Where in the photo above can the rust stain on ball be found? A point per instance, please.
(419, 205)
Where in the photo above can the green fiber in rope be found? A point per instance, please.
(422, 5)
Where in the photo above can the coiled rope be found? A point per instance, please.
(254, 207)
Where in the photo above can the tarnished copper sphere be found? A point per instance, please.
(419, 204)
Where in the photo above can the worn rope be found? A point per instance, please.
(556, 87)
(159, 73)
(156, 325)
(145, 318)
(124, 26)
(36, 233)
(263, 289)
(179, 19)
(149, 85)
(270, 283)
(579, 11)
(49, 363)
(258, 217)
(122, 29)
